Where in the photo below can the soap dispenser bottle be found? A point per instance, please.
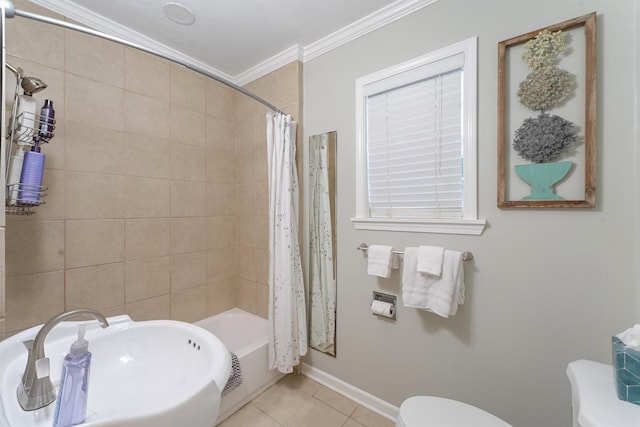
(71, 407)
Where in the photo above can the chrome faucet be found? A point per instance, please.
(36, 390)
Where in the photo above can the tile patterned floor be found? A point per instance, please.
(297, 401)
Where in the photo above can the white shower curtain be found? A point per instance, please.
(287, 315)
(321, 267)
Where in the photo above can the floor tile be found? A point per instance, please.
(247, 416)
(298, 401)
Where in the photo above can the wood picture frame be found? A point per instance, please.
(580, 107)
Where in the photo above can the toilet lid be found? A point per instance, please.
(421, 411)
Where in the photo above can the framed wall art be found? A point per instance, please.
(547, 117)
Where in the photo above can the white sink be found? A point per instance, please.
(160, 373)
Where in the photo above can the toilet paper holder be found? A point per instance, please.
(388, 298)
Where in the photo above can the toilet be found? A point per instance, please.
(426, 411)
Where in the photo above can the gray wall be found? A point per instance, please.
(547, 286)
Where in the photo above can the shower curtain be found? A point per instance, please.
(287, 315)
(321, 267)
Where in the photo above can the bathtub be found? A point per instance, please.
(246, 335)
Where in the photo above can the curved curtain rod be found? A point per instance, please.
(10, 12)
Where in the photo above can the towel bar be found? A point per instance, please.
(466, 255)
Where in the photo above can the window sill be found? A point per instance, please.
(473, 227)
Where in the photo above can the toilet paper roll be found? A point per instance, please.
(381, 308)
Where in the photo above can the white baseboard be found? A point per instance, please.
(359, 396)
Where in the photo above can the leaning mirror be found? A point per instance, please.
(322, 242)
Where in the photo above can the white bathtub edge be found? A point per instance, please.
(359, 396)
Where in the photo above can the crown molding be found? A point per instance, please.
(294, 53)
(372, 22)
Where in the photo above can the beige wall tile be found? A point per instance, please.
(246, 265)
(147, 278)
(262, 234)
(188, 127)
(290, 83)
(188, 198)
(188, 163)
(262, 197)
(146, 156)
(246, 231)
(34, 247)
(93, 149)
(188, 235)
(262, 266)
(94, 58)
(221, 296)
(188, 89)
(97, 287)
(147, 237)
(221, 265)
(246, 136)
(150, 309)
(221, 199)
(33, 299)
(189, 305)
(146, 116)
(221, 134)
(221, 232)
(36, 42)
(266, 87)
(93, 242)
(188, 270)
(247, 295)
(221, 166)
(145, 74)
(246, 199)
(221, 100)
(147, 197)
(245, 168)
(81, 106)
(262, 300)
(92, 195)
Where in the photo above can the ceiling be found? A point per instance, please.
(236, 39)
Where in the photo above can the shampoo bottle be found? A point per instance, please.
(47, 115)
(31, 176)
(71, 407)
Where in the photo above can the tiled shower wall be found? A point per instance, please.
(157, 183)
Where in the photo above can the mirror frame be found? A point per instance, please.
(331, 138)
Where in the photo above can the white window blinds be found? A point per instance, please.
(414, 143)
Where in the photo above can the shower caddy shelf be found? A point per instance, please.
(18, 132)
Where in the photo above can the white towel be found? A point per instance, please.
(438, 295)
(381, 260)
(430, 260)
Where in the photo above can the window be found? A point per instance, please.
(416, 168)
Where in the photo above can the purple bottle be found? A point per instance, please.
(71, 407)
(30, 186)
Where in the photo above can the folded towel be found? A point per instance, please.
(438, 295)
(381, 260)
(430, 260)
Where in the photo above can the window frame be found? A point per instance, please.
(469, 223)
